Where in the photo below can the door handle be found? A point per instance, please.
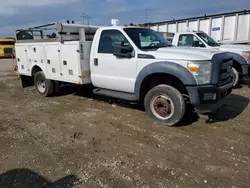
(95, 61)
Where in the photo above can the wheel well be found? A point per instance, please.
(237, 66)
(35, 69)
(161, 78)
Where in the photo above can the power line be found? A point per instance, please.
(85, 18)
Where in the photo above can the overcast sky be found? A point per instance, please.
(16, 14)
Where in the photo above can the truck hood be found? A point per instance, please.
(235, 47)
(184, 53)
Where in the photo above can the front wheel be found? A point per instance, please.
(165, 104)
(44, 86)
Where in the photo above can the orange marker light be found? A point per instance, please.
(245, 55)
(193, 68)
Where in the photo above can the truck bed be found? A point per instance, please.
(59, 61)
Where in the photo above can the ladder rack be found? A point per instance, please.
(55, 32)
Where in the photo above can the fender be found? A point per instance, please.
(27, 81)
(164, 67)
(238, 58)
(34, 67)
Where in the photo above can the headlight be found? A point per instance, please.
(201, 71)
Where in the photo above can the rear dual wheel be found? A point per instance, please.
(165, 105)
(44, 86)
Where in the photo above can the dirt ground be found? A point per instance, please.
(71, 140)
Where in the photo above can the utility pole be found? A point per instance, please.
(85, 17)
(146, 15)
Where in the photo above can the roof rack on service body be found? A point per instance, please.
(54, 32)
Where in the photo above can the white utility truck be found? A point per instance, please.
(239, 52)
(121, 62)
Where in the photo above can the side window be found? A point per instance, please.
(107, 40)
(189, 40)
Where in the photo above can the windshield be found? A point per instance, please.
(146, 38)
(207, 39)
(7, 43)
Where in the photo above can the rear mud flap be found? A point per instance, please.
(26, 81)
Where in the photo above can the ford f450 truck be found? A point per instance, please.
(239, 52)
(121, 62)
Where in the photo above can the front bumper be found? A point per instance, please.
(245, 74)
(207, 98)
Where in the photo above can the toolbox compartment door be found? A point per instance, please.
(70, 62)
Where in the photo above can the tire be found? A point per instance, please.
(171, 98)
(44, 86)
(57, 87)
(235, 77)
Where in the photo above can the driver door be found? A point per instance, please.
(111, 72)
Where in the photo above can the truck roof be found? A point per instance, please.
(122, 27)
(188, 32)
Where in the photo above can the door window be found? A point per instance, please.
(109, 38)
(190, 40)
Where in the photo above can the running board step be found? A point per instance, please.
(115, 94)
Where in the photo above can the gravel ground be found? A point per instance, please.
(72, 140)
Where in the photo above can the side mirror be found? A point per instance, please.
(119, 50)
(202, 45)
(198, 44)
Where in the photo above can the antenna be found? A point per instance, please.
(85, 18)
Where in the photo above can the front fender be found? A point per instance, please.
(164, 67)
(238, 58)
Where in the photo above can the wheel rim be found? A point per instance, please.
(234, 75)
(41, 85)
(162, 107)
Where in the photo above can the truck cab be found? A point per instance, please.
(239, 52)
(139, 63)
(130, 63)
